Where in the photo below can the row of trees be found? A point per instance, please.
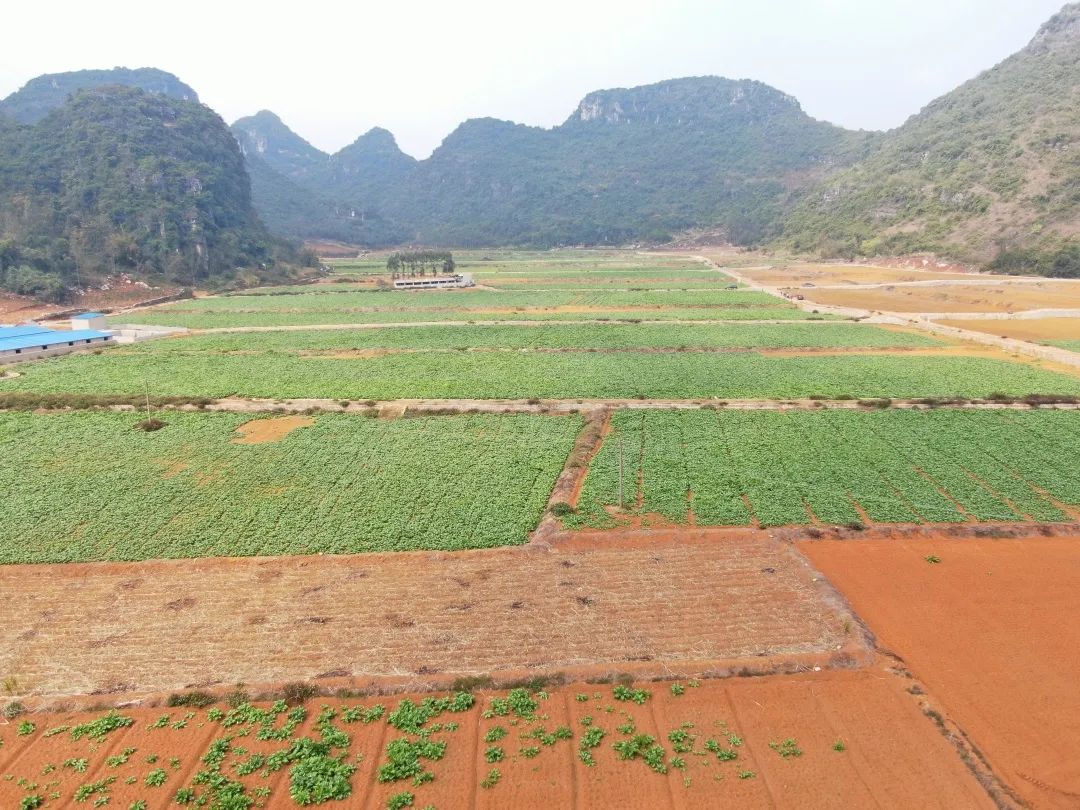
(419, 262)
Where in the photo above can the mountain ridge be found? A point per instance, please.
(987, 169)
(617, 168)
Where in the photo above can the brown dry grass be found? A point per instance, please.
(690, 600)
(854, 274)
(1033, 329)
(966, 298)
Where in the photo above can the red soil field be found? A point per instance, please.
(892, 755)
(991, 631)
(695, 604)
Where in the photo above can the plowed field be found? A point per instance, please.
(526, 752)
(992, 631)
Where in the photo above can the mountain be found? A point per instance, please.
(294, 184)
(987, 173)
(637, 163)
(120, 179)
(266, 137)
(370, 165)
(40, 96)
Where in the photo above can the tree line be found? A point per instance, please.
(419, 262)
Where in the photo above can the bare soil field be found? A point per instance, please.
(796, 275)
(811, 741)
(1037, 330)
(711, 601)
(998, 297)
(18, 309)
(991, 630)
(260, 431)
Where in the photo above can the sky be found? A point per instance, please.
(333, 70)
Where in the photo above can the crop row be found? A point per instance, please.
(564, 336)
(86, 486)
(793, 467)
(199, 319)
(516, 375)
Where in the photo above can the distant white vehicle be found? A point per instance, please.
(434, 282)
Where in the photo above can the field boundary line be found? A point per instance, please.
(24, 401)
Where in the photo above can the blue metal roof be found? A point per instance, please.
(19, 331)
(50, 337)
(89, 315)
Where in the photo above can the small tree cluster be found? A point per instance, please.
(419, 262)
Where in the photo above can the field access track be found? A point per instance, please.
(625, 604)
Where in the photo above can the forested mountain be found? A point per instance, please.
(988, 173)
(40, 96)
(120, 179)
(628, 164)
(124, 170)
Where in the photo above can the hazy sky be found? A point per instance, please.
(333, 70)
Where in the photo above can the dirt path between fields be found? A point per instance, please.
(535, 323)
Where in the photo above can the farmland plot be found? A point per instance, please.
(548, 336)
(340, 304)
(705, 745)
(86, 486)
(518, 375)
(732, 468)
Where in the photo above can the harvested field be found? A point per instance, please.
(998, 297)
(536, 744)
(834, 467)
(706, 602)
(1055, 331)
(85, 486)
(796, 275)
(993, 636)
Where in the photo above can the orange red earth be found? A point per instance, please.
(991, 631)
(891, 755)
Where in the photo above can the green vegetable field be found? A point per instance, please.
(548, 336)
(515, 375)
(338, 304)
(897, 466)
(87, 486)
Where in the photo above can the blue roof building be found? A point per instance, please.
(20, 331)
(28, 342)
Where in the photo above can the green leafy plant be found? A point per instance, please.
(320, 778)
(495, 734)
(786, 748)
(156, 778)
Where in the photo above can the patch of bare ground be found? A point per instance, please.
(567, 489)
(686, 602)
(992, 635)
(1033, 329)
(261, 431)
